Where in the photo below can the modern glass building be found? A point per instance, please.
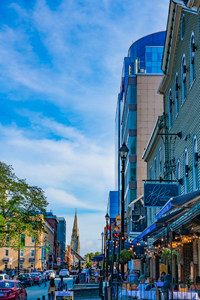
(137, 109)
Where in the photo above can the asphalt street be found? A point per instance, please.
(36, 291)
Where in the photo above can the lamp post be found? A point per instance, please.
(107, 243)
(123, 151)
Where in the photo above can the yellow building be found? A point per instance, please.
(33, 255)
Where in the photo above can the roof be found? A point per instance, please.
(80, 258)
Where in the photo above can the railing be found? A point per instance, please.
(128, 291)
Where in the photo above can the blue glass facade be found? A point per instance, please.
(144, 58)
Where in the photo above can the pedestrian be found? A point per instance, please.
(13, 274)
(150, 284)
(52, 289)
(61, 284)
(96, 275)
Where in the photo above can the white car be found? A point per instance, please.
(64, 273)
(4, 277)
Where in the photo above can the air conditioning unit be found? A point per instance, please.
(190, 3)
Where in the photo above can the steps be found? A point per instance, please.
(86, 291)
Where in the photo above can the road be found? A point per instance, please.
(36, 292)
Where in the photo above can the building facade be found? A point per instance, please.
(137, 109)
(172, 152)
(61, 236)
(32, 255)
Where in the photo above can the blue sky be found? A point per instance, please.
(60, 73)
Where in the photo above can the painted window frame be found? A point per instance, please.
(32, 239)
(160, 160)
(182, 26)
(155, 168)
(192, 58)
(32, 254)
(170, 101)
(176, 95)
(186, 177)
(178, 170)
(150, 172)
(194, 163)
(21, 252)
(183, 78)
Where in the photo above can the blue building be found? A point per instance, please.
(138, 106)
(61, 236)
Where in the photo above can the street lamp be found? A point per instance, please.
(107, 217)
(123, 151)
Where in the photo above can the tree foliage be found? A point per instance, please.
(22, 208)
(90, 255)
(125, 256)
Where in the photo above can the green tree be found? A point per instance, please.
(22, 208)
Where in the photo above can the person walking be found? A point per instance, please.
(52, 289)
(61, 284)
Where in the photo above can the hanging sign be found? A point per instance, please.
(159, 194)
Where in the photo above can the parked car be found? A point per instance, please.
(37, 279)
(25, 279)
(42, 275)
(12, 289)
(4, 277)
(64, 273)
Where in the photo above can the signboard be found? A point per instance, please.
(64, 295)
(158, 194)
(59, 260)
(136, 264)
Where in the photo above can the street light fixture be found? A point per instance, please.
(107, 217)
(123, 151)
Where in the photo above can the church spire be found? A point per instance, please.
(75, 241)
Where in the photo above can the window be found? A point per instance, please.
(32, 253)
(150, 173)
(32, 265)
(6, 252)
(178, 172)
(155, 171)
(32, 239)
(6, 265)
(176, 95)
(160, 160)
(186, 169)
(21, 266)
(133, 172)
(170, 108)
(183, 78)
(182, 27)
(23, 240)
(134, 145)
(21, 252)
(192, 54)
(195, 164)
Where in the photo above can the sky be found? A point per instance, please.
(60, 72)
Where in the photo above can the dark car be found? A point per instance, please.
(12, 289)
(26, 279)
(37, 279)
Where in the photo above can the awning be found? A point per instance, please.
(159, 224)
(21, 260)
(31, 260)
(184, 201)
(98, 258)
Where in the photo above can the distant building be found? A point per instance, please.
(53, 222)
(75, 239)
(61, 236)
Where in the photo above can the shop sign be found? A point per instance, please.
(65, 295)
(159, 194)
(136, 264)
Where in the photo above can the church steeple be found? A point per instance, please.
(75, 240)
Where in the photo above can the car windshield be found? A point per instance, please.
(33, 274)
(6, 284)
(23, 275)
